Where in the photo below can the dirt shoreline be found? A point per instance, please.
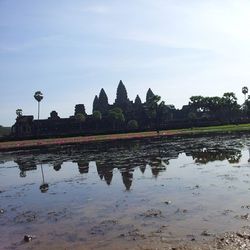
(40, 143)
(43, 143)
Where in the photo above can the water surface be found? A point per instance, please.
(119, 195)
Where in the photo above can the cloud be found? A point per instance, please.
(99, 9)
(30, 44)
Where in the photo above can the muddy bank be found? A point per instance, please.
(59, 142)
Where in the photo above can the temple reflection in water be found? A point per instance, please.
(125, 161)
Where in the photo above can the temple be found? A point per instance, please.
(124, 115)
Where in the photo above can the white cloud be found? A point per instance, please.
(99, 9)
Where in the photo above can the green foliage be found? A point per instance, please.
(38, 96)
(54, 115)
(97, 115)
(133, 124)
(80, 117)
(153, 106)
(230, 98)
(229, 104)
(224, 107)
(116, 116)
(246, 106)
(19, 112)
(156, 110)
(244, 90)
(197, 102)
(192, 116)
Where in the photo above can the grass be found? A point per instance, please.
(223, 128)
(137, 135)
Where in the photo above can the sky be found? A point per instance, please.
(69, 50)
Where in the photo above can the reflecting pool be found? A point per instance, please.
(124, 194)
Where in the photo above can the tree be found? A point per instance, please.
(192, 116)
(38, 96)
(81, 119)
(206, 106)
(116, 116)
(197, 103)
(152, 104)
(247, 106)
(80, 109)
(245, 91)
(44, 187)
(155, 108)
(229, 104)
(54, 115)
(97, 115)
(19, 112)
(133, 124)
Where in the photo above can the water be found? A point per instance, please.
(119, 195)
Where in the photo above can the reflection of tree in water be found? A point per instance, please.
(28, 165)
(204, 156)
(57, 165)
(44, 187)
(25, 165)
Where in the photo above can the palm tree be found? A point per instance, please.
(38, 96)
(19, 112)
(81, 119)
(155, 110)
(245, 91)
(97, 115)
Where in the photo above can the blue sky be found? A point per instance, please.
(69, 50)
